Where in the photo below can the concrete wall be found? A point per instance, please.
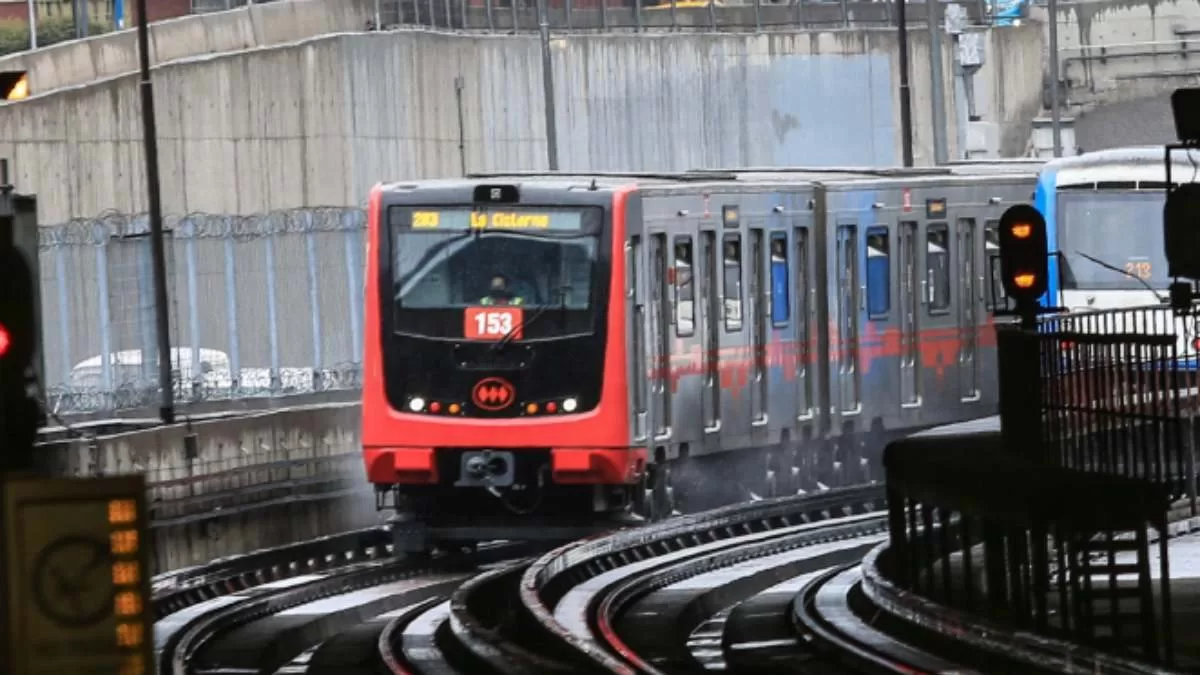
(1123, 50)
(209, 503)
(83, 61)
(318, 122)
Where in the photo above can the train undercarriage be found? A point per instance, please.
(500, 495)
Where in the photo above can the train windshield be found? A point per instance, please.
(1122, 229)
(448, 262)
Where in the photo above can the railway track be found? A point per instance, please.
(724, 590)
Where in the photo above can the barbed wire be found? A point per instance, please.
(261, 383)
(111, 225)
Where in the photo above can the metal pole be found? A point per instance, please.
(938, 90)
(378, 17)
(150, 140)
(81, 18)
(459, 85)
(32, 25)
(1055, 116)
(906, 139)
(548, 87)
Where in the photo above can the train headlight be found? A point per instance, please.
(569, 405)
(417, 404)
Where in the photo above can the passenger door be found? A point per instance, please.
(846, 276)
(938, 353)
(969, 309)
(910, 303)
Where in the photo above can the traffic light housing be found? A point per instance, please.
(14, 85)
(1024, 254)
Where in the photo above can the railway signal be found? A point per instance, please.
(1024, 253)
(18, 344)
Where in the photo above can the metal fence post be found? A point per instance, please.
(106, 346)
(64, 312)
(231, 306)
(272, 316)
(355, 290)
(189, 229)
(314, 299)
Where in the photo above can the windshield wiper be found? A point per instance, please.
(1127, 273)
(512, 334)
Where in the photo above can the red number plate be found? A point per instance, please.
(491, 323)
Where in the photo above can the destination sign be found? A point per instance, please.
(464, 219)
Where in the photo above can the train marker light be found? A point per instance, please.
(5, 340)
(1023, 254)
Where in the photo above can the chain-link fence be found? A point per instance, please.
(262, 305)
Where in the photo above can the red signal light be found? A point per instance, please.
(5, 340)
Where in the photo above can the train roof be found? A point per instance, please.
(1119, 167)
(766, 176)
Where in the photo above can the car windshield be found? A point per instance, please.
(446, 261)
(1123, 229)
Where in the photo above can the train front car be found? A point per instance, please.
(494, 402)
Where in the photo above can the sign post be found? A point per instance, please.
(76, 568)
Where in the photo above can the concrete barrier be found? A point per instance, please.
(222, 487)
(81, 61)
(319, 121)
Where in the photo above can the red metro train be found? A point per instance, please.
(548, 353)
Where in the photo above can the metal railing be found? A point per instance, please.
(263, 305)
(1118, 393)
(657, 15)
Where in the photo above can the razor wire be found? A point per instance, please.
(260, 305)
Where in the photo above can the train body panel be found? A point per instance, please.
(786, 321)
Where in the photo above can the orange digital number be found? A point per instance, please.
(1141, 269)
(491, 323)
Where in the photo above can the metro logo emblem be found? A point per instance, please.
(493, 393)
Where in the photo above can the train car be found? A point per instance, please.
(548, 352)
(1104, 213)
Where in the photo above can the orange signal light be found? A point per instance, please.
(532, 408)
(454, 408)
(1025, 280)
(1022, 230)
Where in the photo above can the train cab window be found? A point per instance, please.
(879, 273)
(731, 254)
(781, 299)
(991, 257)
(937, 267)
(685, 301)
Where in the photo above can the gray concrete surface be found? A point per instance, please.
(319, 121)
(261, 480)
(82, 61)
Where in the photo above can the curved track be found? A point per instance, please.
(745, 588)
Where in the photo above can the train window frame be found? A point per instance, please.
(678, 285)
(733, 324)
(996, 298)
(875, 313)
(786, 303)
(946, 281)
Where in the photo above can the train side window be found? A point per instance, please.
(781, 298)
(937, 267)
(991, 257)
(685, 300)
(732, 273)
(879, 273)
